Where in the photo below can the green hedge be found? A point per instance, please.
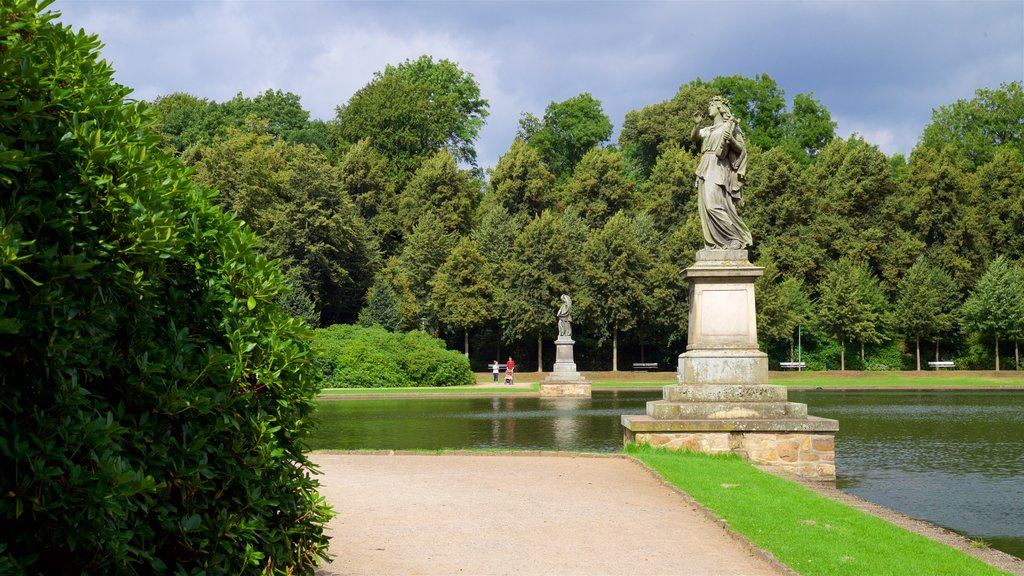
(357, 357)
(155, 400)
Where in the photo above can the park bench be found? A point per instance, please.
(940, 364)
(643, 366)
(792, 365)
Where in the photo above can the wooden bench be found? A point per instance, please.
(940, 364)
(644, 366)
(792, 365)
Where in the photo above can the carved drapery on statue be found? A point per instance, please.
(720, 174)
(565, 317)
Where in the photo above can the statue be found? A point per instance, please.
(565, 318)
(720, 173)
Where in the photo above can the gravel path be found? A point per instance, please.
(509, 514)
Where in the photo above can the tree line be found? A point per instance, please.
(381, 215)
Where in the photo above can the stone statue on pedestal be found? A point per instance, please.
(720, 173)
(565, 318)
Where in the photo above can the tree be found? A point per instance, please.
(979, 127)
(463, 293)
(995, 307)
(599, 187)
(782, 305)
(425, 251)
(937, 204)
(290, 195)
(616, 267)
(758, 103)
(649, 132)
(926, 304)
(439, 190)
(668, 195)
(156, 400)
(412, 110)
(1000, 201)
(851, 306)
(521, 183)
(184, 120)
(363, 177)
(381, 307)
(569, 130)
(808, 127)
(545, 263)
(282, 111)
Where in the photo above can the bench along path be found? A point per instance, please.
(512, 514)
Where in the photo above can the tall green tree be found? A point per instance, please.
(463, 293)
(649, 132)
(183, 120)
(979, 127)
(599, 187)
(999, 198)
(668, 196)
(381, 307)
(782, 306)
(441, 191)
(851, 305)
(290, 195)
(807, 128)
(521, 182)
(617, 265)
(412, 110)
(926, 305)
(568, 131)
(156, 400)
(995, 307)
(425, 251)
(545, 263)
(363, 177)
(758, 103)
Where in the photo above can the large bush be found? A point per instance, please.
(357, 357)
(154, 401)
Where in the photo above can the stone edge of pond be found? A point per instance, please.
(995, 558)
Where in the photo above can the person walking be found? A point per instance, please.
(510, 367)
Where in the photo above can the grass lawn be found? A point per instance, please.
(830, 379)
(497, 389)
(810, 533)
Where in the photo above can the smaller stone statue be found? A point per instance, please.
(565, 318)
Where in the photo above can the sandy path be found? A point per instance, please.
(502, 514)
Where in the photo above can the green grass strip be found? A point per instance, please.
(425, 390)
(810, 533)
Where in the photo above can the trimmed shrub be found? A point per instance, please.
(155, 400)
(357, 357)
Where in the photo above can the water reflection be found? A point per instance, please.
(954, 459)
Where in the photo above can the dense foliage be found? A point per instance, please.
(155, 399)
(358, 357)
(613, 224)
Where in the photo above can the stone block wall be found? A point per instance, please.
(806, 454)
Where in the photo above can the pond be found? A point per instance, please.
(952, 458)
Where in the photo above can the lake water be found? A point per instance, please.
(952, 458)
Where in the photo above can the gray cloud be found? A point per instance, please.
(879, 67)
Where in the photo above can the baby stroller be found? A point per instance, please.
(508, 376)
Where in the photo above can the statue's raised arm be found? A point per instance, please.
(720, 172)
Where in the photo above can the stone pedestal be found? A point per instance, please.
(723, 402)
(564, 380)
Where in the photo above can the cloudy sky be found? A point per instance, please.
(879, 67)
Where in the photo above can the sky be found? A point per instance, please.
(879, 67)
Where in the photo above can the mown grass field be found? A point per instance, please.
(810, 533)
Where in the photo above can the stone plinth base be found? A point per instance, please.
(720, 367)
(566, 389)
(805, 447)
